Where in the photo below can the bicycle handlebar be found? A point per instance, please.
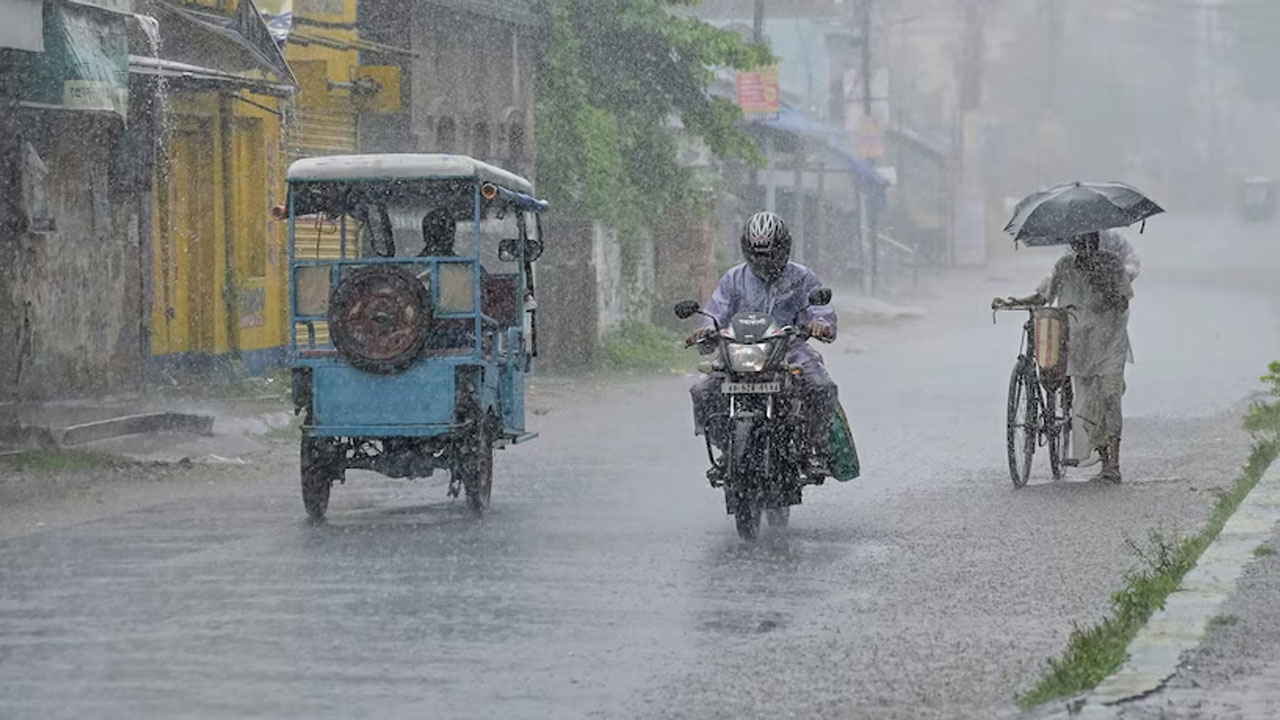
(1068, 309)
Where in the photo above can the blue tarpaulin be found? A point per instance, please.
(790, 120)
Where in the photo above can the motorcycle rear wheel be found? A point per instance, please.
(747, 518)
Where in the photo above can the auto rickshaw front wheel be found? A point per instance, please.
(319, 471)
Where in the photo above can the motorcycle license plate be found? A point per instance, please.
(734, 388)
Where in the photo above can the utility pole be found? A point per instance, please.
(970, 246)
(1049, 123)
(770, 190)
(1216, 161)
(864, 30)
(1053, 45)
(868, 227)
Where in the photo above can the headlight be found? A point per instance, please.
(747, 358)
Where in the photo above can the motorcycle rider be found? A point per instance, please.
(767, 282)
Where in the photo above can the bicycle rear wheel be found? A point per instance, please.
(1023, 422)
(1056, 429)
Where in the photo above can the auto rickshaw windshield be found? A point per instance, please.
(397, 219)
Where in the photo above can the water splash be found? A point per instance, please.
(161, 108)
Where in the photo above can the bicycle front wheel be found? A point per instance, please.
(1023, 426)
(1057, 423)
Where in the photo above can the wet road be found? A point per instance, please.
(608, 583)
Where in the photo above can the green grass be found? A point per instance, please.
(1263, 551)
(1096, 651)
(641, 347)
(58, 461)
(1222, 621)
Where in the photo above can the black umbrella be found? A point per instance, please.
(1054, 216)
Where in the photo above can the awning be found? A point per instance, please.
(919, 142)
(792, 121)
(84, 65)
(208, 47)
(867, 175)
(197, 76)
(300, 37)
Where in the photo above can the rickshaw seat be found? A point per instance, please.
(500, 300)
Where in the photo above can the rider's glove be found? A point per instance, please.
(821, 330)
(701, 334)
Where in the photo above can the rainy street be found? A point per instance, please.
(608, 582)
(345, 359)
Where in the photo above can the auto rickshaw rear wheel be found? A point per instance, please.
(320, 468)
(379, 318)
(473, 464)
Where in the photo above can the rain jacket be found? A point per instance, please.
(1097, 347)
(1099, 339)
(740, 290)
(1114, 241)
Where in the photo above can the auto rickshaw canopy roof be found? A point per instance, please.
(404, 166)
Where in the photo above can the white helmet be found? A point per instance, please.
(766, 244)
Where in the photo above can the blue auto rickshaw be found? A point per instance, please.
(409, 353)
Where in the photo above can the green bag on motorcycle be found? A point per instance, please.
(844, 453)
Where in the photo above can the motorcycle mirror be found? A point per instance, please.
(509, 250)
(533, 249)
(686, 309)
(820, 296)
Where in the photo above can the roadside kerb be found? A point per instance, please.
(52, 438)
(1180, 627)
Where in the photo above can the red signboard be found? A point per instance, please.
(758, 92)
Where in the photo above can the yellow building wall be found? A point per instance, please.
(326, 117)
(219, 260)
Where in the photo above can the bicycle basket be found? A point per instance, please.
(1049, 336)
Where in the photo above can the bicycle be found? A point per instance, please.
(1040, 393)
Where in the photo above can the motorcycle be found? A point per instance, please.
(763, 432)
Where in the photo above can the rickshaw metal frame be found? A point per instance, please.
(436, 377)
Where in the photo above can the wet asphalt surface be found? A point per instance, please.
(608, 582)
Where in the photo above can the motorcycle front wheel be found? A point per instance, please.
(778, 517)
(747, 518)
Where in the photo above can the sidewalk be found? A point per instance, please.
(1213, 651)
(1235, 671)
(161, 425)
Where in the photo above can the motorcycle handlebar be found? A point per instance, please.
(790, 331)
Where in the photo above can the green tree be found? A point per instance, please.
(613, 73)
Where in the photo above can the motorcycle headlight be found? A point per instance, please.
(747, 358)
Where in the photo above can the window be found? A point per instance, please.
(480, 141)
(516, 146)
(446, 135)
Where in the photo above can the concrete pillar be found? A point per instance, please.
(800, 234)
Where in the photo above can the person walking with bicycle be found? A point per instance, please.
(1096, 286)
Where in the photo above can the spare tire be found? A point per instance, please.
(379, 318)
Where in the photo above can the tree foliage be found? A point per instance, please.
(612, 76)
